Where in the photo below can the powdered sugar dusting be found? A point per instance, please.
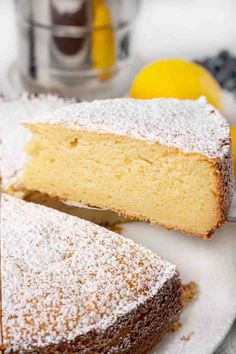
(68, 276)
(13, 136)
(190, 125)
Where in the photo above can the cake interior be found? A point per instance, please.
(152, 182)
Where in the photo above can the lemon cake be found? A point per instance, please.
(70, 286)
(166, 161)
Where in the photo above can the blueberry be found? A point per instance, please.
(223, 68)
(233, 64)
(224, 54)
(223, 74)
(230, 84)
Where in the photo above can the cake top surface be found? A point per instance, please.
(13, 136)
(190, 125)
(63, 276)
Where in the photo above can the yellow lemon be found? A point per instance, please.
(178, 79)
(103, 41)
(233, 136)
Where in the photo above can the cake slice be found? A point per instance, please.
(166, 161)
(70, 286)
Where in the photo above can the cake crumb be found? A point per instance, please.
(187, 337)
(175, 326)
(190, 293)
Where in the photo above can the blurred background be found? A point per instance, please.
(94, 49)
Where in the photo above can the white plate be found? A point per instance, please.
(212, 265)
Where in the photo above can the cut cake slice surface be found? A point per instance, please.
(166, 161)
(13, 136)
(70, 286)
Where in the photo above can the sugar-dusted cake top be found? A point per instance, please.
(190, 125)
(63, 276)
(13, 136)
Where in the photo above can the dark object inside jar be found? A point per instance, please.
(69, 45)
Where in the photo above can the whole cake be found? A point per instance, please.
(166, 161)
(70, 286)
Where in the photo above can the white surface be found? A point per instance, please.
(230, 106)
(212, 265)
(184, 28)
(8, 43)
